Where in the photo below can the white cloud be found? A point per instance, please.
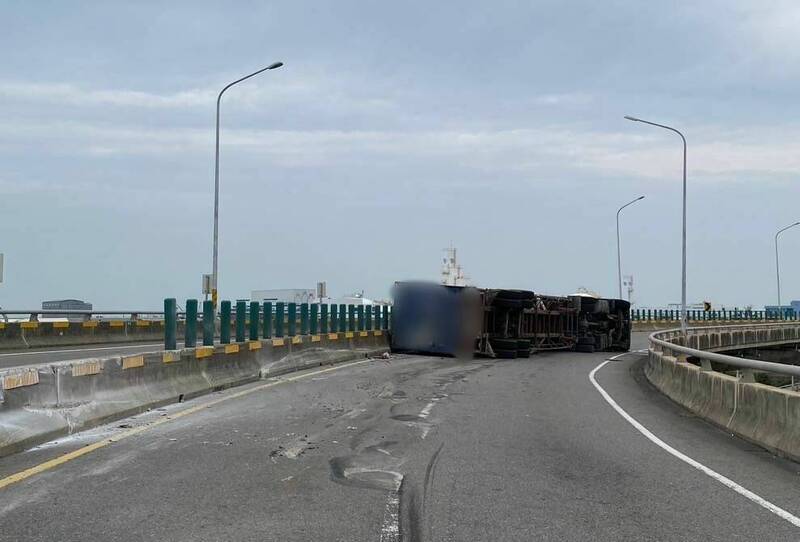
(525, 150)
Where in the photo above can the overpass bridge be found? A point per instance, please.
(673, 440)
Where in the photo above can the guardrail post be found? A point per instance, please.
(342, 317)
(314, 318)
(190, 340)
(225, 322)
(377, 317)
(368, 317)
(351, 317)
(170, 324)
(279, 318)
(334, 318)
(323, 318)
(255, 312)
(241, 316)
(747, 376)
(208, 323)
(360, 316)
(387, 316)
(303, 318)
(292, 320)
(267, 331)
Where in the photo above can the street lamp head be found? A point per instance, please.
(640, 197)
(276, 65)
(634, 119)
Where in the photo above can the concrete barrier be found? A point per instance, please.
(41, 403)
(661, 325)
(22, 335)
(762, 414)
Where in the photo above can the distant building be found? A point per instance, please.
(67, 305)
(792, 308)
(452, 273)
(354, 299)
(290, 295)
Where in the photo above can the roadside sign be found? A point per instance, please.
(206, 284)
(322, 290)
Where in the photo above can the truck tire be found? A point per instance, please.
(503, 303)
(515, 294)
(586, 340)
(587, 348)
(505, 354)
(523, 348)
(503, 344)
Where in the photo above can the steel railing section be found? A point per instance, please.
(668, 343)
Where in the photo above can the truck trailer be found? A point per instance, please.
(462, 321)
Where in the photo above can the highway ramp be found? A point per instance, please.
(409, 448)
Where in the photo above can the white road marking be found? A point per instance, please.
(425, 412)
(727, 482)
(390, 528)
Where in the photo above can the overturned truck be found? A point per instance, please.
(463, 320)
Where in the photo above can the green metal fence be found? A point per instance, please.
(254, 321)
(721, 315)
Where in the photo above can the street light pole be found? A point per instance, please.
(683, 237)
(777, 264)
(214, 274)
(619, 253)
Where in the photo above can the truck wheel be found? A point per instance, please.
(586, 340)
(523, 348)
(587, 348)
(515, 294)
(503, 344)
(503, 303)
(506, 354)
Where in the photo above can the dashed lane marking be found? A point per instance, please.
(727, 482)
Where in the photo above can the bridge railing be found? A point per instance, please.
(724, 315)
(250, 321)
(34, 315)
(703, 343)
(764, 410)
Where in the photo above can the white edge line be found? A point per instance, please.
(778, 511)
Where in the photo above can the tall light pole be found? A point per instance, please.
(214, 274)
(683, 238)
(777, 264)
(619, 253)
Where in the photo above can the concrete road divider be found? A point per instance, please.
(765, 415)
(41, 403)
(22, 335)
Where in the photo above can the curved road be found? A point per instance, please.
(410, 448)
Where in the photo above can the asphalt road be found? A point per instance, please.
(410, 448)
(66, 353)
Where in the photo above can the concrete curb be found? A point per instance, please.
(764, 415)
(41, 403)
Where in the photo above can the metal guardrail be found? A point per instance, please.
(670, 348)
(33, 314)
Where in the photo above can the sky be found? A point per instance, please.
(392, 131)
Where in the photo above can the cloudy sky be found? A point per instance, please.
(393, 130)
